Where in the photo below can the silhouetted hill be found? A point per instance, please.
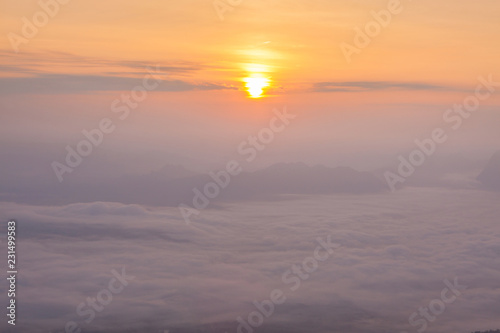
(169, 172)
(173, 185)
(298, 178)
(490, 176)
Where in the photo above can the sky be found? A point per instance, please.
(295, 43)
(114, 114)
(287, 53)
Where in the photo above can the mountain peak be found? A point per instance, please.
(490, 176)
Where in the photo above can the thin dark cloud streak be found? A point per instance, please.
(362, 86)
(38, 62)
(69, 83)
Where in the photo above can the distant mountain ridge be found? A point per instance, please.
(490, 176)
(298, 178)
(173, 185)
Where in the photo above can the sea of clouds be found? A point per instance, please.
(396, 249)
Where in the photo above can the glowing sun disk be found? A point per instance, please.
(255, 85)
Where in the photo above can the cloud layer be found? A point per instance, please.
(396, 250)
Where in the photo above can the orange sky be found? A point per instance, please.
(293, 43)
(426, 59)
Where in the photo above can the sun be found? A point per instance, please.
(256, 79)
(255, 85)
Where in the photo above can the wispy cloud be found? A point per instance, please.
(42, 62)
(60, 73)
(359, 86)
(69, 83)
